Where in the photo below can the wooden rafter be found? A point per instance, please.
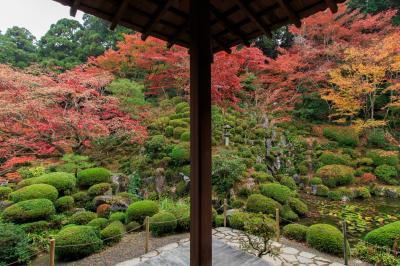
(234, 30)
(74, 8)
(119, 14)
(290, 13)
(256, 20)
(154, 20)
(332, 5)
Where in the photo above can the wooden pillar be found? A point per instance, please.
(200, 137)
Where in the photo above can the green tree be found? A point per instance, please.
(73, 163)
(17, 47)
(376, 6)
(281, 37)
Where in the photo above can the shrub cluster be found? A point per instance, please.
(380, 157)
(63, 182)
(118, 216)
(162, 223)
(258, 203)
(29, 210)
(298, 206)
(14, 244)
(325, 238)
(99, 189)
(327, 158)
(65, 203)
(336, 175)
(35, 227)
(137, 211)
(113, 232)
(237, 219)
(262, 177)
(4, 192)
(387, 174)
(385, 235)
(344, 136)
(277, 191)
(82, 217)
(36, 191)
(92, 176)
(296, 232)
(288, 182)
(99, 223)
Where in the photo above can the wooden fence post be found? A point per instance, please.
(52, 251)
(278, 229)
(396, 247)
(147, 225)
(345, 255)
(225, 209)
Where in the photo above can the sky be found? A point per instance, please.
(35, 15)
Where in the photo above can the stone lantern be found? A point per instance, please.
(226, 134)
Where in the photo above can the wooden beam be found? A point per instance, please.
(332, 5)
(74, 8)
(234, 30)
(178, 33)
(200, 134)
(118, 15)
(154, 20)
(256, 20)
(290, 13)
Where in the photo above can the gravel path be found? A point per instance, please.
(129, 247)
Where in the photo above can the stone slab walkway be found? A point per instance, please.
(227, 239)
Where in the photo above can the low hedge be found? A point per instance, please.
(278, 192)
(77, 241)
(82, 217)
(237, 219)
(385, 235)
(163, 223)
(65, 203)
(137, 211)
(98, 189)
(259, 203)
(92, 176)
(118, 216)
(296, 232)
(113, 232)
(63, 182)
(4, 192)
(99, 223)
(335, 175)
(325, 238)
(36, 191)
(298, 206)
(35, 227)
(29, 210)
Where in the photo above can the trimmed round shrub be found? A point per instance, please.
(35, 227)
(113, 232)
(15, 244)
(288, 214)
(118, 216)
(322, 191)
(98, 189)
(386, 173)
(92, 176)
(219, 220)
(259, 203)
(277, 191)
(82, 217)
(262, 177)
(180, 107)
(336, 175)
(178, 131)
(328, 158)
(81, 198)
(325, 238)
(340, 193)
(238, 203)
(169, 131)
(298, 206)
(180, 153)
(185, 136)
(237, 219)
(385, 235)
(63, 182)
(133, 227)
(29, 210)
(296, 232)
(99, 223)
(128, 195)
(362, 193)
(162, 223)
(65, 203)
(316, 181)
(137, 211)
(289, 182)
(178, 123)
(77, 241)
(36, 191)
(4, 192)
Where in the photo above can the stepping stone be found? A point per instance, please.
(307, 255)
(168, 247)
(289, 250)
(336, 264)
(321, 263)
(322, 259)
(288, 257)
(150, 254)
(304, 260)
(273, 261)
(132, 262)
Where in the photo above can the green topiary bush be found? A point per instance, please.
(325, 238)
(180, 107)
(92, 176)
(113, 232)
(336, 175)
(180, 154)
(385, 235)
(137, 211)
(322, 191)
(15, 245)
(4, 192)
(237, 219)
(277, 191)
(77, 241)
(178, 131)
(288, 182)
(178, 123)
(162, 223)
(340, 193)
(133, 227)
(82, 217)
(288, 214)
(262, 177)
(36, 227)
(185, 136)
(98, 189)
(99, 223)
(29, 210)
(169, 131)
(259, 203)
(63, 182)
(36, 191)
(328, 158)
(316, 181)
(387, 173)
(118, 216)
(296, 232)
(345, 136)
(65, 203)
(298, 206)
(81, 198)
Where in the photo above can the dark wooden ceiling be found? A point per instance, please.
(233, 22)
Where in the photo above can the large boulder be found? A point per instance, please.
(117, 203)
(121, 181)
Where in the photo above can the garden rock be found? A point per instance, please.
(117, 203)
(122, 182)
